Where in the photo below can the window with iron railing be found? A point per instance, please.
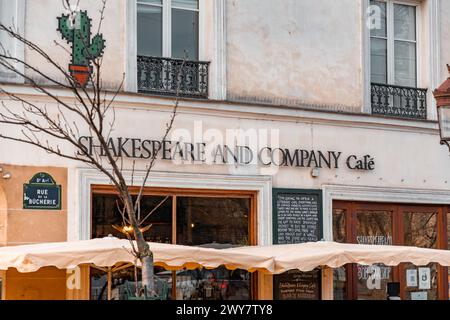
(393, 49)
(168, 49)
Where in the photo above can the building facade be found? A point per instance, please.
(297, 121)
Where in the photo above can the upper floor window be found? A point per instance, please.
(12, 15)
(168, 28)
(168, 49)
(393, 61)
(393, 45)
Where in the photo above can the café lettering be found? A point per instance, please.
(201, 153)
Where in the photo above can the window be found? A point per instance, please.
(12, 14)
(168, 28)
(394, 61)
(168, 49)
(388, 224)
(393, 44)
(216, 220)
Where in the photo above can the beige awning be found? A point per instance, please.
(109, 251)
(307, 256)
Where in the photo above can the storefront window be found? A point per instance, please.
(217, 284)
(107, 217)
(123, 283)
(217, 222)
(420, 230)
(207, 221)
(373, 227)
(388, 224)
(339, 235)
(339, 225)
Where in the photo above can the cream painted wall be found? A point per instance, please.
(293, 52)
(41, 24)
(281, 52)
(406, 157)
(445, 36)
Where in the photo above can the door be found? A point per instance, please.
(390, 224)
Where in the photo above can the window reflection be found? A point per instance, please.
(420, 230)
(339, 225)
(340, 283)
(217, 284)
(106, 215)
(340, 235)
(123, 285)
(149, 30)
(219, 222)
(184, 34)
(373, 227)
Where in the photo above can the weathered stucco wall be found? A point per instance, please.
(30, 226)
(292, 52)
(41, 24)
(445, 38)
(45, 284)
(19, 226)
(415, 153)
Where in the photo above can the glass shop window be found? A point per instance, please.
(206, 221)
(389, 224)
(373, 227)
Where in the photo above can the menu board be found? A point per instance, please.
(296, 285)
(297, 216)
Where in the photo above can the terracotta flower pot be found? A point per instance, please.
(80, 73)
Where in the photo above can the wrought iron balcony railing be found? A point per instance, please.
(398, 101)
(165, 76)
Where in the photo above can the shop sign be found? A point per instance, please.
(42, 193)
(297, 218)
(202, 153)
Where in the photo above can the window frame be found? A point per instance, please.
(16, 8)
(390, 40)
(188, 192)
(218, 82)
(167, 7)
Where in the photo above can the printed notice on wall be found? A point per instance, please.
(296, 285)
(424, 278)
(297, 218)
(411, 278)
(422, 295)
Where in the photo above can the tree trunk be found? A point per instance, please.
(144, 253)
(147, 274)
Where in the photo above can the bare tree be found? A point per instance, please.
(51, 127)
